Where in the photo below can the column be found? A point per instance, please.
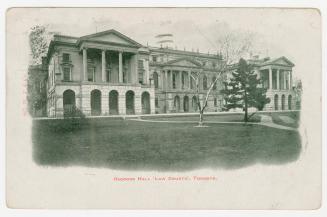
(136, 71)
(84, 64)
(291, 83)
(103, 64)
(180, 79)
(166, 79)
(189, 80)
(270, 78)
(122, 102)
(120, 71)
(147, 71)
(171, 79)
(277, 78)
(104, 103)
(284, 74)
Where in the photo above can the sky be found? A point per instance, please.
(293, 33)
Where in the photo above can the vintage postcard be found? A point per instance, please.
(163, 108)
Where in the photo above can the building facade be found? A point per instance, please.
(108, 73)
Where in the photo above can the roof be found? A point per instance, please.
(98, 35)
(281, 61)
(183, 52)
(184, 59)
(278, 61)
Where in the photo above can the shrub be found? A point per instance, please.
(73, 120)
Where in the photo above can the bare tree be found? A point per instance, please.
(233, 46)
(202, 105)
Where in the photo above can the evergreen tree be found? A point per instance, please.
(245, 90)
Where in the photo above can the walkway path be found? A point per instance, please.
(265, 121)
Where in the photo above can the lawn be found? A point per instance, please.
(228, 117)
(276, 118)
(133, 145)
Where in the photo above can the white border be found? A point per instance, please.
(5, 4)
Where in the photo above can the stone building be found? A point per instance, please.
(108, 73)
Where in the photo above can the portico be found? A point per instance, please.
(276, 78)
(276, 75)
(118, 67)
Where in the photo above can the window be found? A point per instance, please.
(174, 81)
(157, 102)
(215, 102)
(215, 84)
(108, 75)
(205, 83)
(90, 73)
(154, 59)
(141, 71)
(65, 57)
(67, 73)
(156, 79)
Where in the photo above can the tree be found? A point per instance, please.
(37, 72)
(298, 93)
(38, 39)
(245, 90)
(233, 45)
(36, 90)
(203, 104)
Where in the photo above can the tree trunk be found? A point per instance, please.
(245, 108)
(201, 118)
(246, 114)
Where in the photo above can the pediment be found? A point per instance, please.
(282, 61)
(184, 63)
(111, 36)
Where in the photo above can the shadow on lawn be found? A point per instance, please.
(130, 145)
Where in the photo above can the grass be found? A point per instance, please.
(132, 145)
(207, 117)
(294, 115)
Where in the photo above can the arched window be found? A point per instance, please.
(194, 104)
(205, 82)
(113, 103)
(130, 102)
(95, 102)
(186, 104)
(283, 102)
(146, 109)
(68, 102)
(177, 103)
